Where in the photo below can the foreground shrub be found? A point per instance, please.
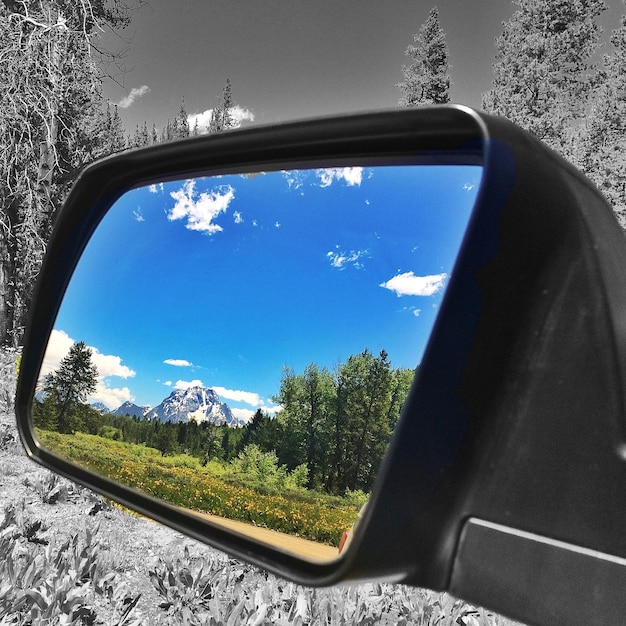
(54, 586)
(196, 488)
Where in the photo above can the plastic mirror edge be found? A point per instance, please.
(587, 445)
(426, 525)
(380, 136)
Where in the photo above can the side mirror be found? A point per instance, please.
(305, 245)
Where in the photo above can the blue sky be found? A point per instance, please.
(222, 281)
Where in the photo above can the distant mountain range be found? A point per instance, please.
(182, 405)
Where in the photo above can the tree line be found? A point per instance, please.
(54, 119)
(546, 79)
(336, 424)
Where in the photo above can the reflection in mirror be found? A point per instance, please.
(241, 345)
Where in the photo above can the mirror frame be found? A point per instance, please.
(433, 136)
(505, 476)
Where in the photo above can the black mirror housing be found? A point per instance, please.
(506, 470)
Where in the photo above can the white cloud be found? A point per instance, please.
(168, 383)
(135, 94)
(107, 365)
(351, 175)
(294, 178)
(113, 398)
(408, 284)
(156, 188)
(110, 365)
(238, 113)
(59, 345)
(200, 209)
(468, 186)
(241, 115)
(185, 384)
(341, 259)
(237, 217)
(249, 397)
(243, 414)
(178, 362)
(417, 312)
(138, 216)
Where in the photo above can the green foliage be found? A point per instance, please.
(357, 498)
(338, 425)
(67, 389)
(312, 516)
(331, 435)
(109, 432)
(427, 77)
(298, 478)
(260, 466)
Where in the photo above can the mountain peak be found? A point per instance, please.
(197, 403)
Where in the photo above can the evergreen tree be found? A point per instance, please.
(180, 127)
(427, 77)
(50, 103)
(603, 145)
(338, 426)
(70, 385)
(543, 76)
(222, 116)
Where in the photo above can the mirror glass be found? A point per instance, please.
(241, 345)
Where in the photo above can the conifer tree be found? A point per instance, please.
(181, 124)
(70, 385)
(427, 77)
(543, 76)
(50, 107)
(603, 145)
(222, 116)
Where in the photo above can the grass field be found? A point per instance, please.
(183, 481)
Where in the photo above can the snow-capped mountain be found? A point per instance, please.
(195, 403)
(128, 408)
(100, 406)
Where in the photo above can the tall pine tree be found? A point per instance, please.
(543, 76)
(69, 386)
(427, 77)
(222, 116)
(603, 145)
(52, 122)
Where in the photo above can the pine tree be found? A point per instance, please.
(228, 121)
(427, 77)
(70, 385)
(50, 102)
(180, 127)
(222, 116)
(603, 145)
(543, 76)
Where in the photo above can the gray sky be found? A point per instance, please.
(290, 59)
